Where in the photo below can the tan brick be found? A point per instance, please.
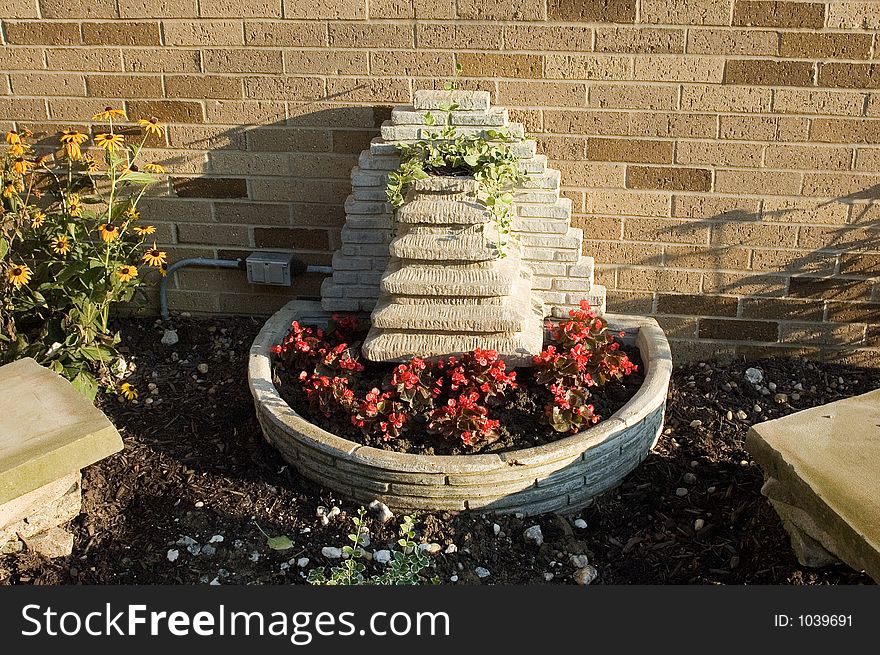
(251, 213)
(837, 184)
(578, 38)
(678, 327)
(829, 288)
(423, 9)
(211, 33)
(685, 12)
(235, 112)
(23, 108)
(497, 65)
(77, 59)
(792, 261)
(777, 308)
(591, 11)
(242, 61)
(364, 35)
(804, 210)
(532, 119)
(19, 9)
(774, 183)
(658, 279)
(631, 302)
(78, 9)
(765, 72)
(321, 165)
(605, 227)
(666, 230)
(639, 39)
(854, 15)
(41, 33)
(24, 59)
(280, 87)
(747, 284)
(763, 128)
(230, 162)
(808, 158)
(624, 96)
(179, 163)
(415, 63)
(121, 33)
(738, 330)
(255, 9)
(616, 252)
(587, 122)
(725, 98)
(203, 86)
(342, 9)
(588, 67)
(841, 130)
(450, 36)
(628, 203)
(50, 84)
(371, 89)
(753, 233)
(729, 257)
(591, 175)
(351, 141)
(333, 115)
(807, 101)
(279, 139)
(213, 234)
(159, 9)
(324, 62)
(714, 153)
(687, 68)
(732, 42)
(628, 150)
(715, 207)
(848, 312)
(167, 111)
(285, 34)
(849, 75)
(668, 179)
(805, 45)
(696, 305)
(502, 9)
(207, 137)
(310, 214)
(778, 14)
(839, 238)
(847, 334)
(319, 191)
(164, 61)
(540, 94)
(561, 147)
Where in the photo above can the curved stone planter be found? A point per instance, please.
(561, 476)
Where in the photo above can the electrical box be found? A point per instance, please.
(270, 268)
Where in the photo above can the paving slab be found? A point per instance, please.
(822, 467)
(48, 430)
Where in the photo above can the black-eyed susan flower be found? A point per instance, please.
(126, 273)
(163, 268)
(18, 275)
(109, 141)
(151, 126)
(91, 164)
(75, 205)
(144, 230)
(9, 190)
(132, 214)
(16, 150)
(108, 232)
(60, 244)
(109, 114)
(21, 166)
(155, 257)
(127, 391)
(38, 219)
(153, 167)
(72, 142)
(13, 138)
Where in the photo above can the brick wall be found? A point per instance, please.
(722, 155)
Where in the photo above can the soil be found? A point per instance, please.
(520, 411)
(196, 469)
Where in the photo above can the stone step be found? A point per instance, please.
(572, 240)
(466, 100)
(521, 289)
(510, 315)
(550, 179)
(568, 301)
(370, 162)
(472, 244)
(444, 213)
(556, 226)
(369, 193)
(559, 209)
(408, 115)
(536, 164)
(409, 278)
(355, 206)
(353, 235)
(392, 132)
(362, 177)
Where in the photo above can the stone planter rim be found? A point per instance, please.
(643, 331)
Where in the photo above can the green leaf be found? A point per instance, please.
(4, 248)
(429, 118)
(85, 384)
(281, 542)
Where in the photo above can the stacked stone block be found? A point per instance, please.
(551, 248)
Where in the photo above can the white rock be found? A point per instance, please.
(741, 415)
(481, 572)
(729, 415)
(430, 549)
(199, 504)
(548, 576)
(169, 338)
(699, 524)
(215, 582)
(696, 423)
(533, 535)
(690, 478)
(334, 512)
(302, 562)
(209, 550)
(216, 539)
(202, 368)
(173, 554)
(520, 515)
(771, 386)
(580, 524)
(381, 511)
(331, 552)
(451, 548)
(254, 557)
(586, 575)
(321, 511)
(579, 561)
(382, 556)
(681, 492)
(754, 375)
(496, 529)
(453, 578)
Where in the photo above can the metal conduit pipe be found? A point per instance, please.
(299, 268)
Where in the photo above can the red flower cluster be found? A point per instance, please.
(464, 418)
(379, 414)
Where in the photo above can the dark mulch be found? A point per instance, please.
(195, 466)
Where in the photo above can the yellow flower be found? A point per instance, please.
(132, 214)
(153, 167)
(18, 275)
(127, 391)
(16, 150)
(145, 230)
(91, 164)
(9, 190)
(163, 269)
(109, 114)
(61, 244)
(75, 205)
(126, 273)
(38, 219)
(108, 232)
(21, 165)
(151, 126)
(72, 140)
(110, 142)
(13, 138)
(154, 256)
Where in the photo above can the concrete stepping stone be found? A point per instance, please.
(48, 433)
(822, 472)
(481, 280)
